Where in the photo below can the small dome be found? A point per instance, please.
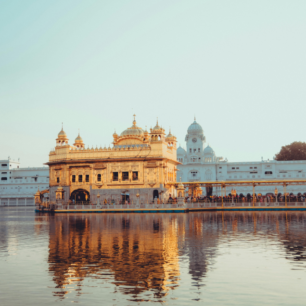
(180, 151)
(62, 133)
(208, 150)
(79, 139)
(195, 128)
(169, 135)
(156, 127)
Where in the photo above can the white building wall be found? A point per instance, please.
(18, 185)
(213, 168)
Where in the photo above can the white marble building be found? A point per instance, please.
(200, 163)
(18, 185)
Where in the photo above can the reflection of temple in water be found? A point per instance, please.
(140, 252)
(137, 253)
(204, 230)
(201, 243)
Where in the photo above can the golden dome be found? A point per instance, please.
(157, 127)
(134, 130)
(169, 135)
(62, 134)
(79, 138)
(62, 138)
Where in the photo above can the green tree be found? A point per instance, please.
(294, 151)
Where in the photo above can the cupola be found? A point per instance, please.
(61, 138)
(79, 142)
(157, 133)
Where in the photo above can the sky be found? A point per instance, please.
(238, 66)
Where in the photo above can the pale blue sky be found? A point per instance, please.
(238, 65)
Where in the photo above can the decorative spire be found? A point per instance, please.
(194, 118)
(134, 122)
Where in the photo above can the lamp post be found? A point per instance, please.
(254, 194)
(285, 193)
(222, 195)
(276, 193)
(98, 198)
(232, 193)
(137, 198)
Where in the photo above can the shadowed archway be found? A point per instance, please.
(80, 195)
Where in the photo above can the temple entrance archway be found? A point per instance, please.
(80, 195)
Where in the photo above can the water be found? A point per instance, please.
(212, 258)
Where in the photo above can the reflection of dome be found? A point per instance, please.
(133, 130)
(195, 128)
(181, 151)
(208, 150)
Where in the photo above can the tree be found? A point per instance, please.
(294, 151)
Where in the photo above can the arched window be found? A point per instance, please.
(99, 178)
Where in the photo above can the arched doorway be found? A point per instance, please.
(155, 194)
(80, 195)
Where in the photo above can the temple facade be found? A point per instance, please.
(139, 164)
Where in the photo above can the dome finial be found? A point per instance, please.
(134, 122)
(194, 118)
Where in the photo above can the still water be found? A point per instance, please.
(230, 258)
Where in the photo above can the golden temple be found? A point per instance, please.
(140, 163)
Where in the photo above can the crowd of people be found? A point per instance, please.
(243, 198)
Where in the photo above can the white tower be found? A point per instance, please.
(195, 141)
